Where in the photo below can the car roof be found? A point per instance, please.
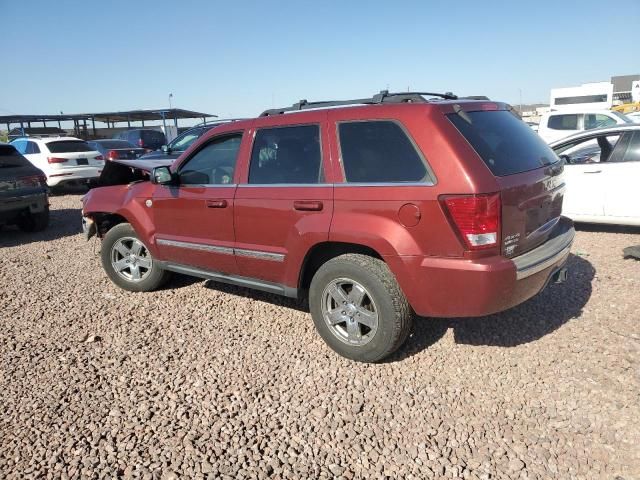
(622, 127)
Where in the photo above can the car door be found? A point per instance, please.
(622, 175)
(584, 175)
(194, 217)
(284, 204)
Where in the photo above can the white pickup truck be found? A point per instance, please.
(556, 125)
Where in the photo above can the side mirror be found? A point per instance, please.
(166, 149)
(161, 176)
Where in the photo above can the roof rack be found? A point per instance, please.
(217, 121)
(383, 97)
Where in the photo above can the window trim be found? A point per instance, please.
(428, 182)
(203, 146)
(284, 185)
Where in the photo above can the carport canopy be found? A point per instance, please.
(110, 118)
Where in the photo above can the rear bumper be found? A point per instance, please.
(72, 175)
(454, 287)
(13, 206)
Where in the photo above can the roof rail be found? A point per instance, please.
(383, 97)
(217, 121)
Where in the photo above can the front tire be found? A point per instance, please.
(358, 307)
(128, 261)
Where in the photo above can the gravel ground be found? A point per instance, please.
(207, 380)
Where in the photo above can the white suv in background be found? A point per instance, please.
(560, 124)
(64, 160)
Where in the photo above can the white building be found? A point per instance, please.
(589, 96)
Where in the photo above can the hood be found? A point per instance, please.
(146, 165)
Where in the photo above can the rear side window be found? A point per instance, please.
(32, 147)
(505, 143)
(379, 152)
(286, 155)
(151, 136)
(597, 120)
(629, 148)
(563, 122)
(9, 157)
(68, 146)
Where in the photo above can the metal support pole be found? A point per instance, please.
(164, 123)
(128, 121)
(29, 124)
(22, 128)
(59, 125)
(93, 123)
(175, 120)
(142, 123)
(44, 123)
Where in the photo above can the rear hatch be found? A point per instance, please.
(18, 177)
(528, 172)
(66, 154)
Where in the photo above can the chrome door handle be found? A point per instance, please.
(306, 205)
(216, 204)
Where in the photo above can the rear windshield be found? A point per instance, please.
(505, 143)
(69, 146)
(116, 144)
(150, 136)
(9, 157)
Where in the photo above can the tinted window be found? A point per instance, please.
(32, 147)
(68, 146)
(629, 148)
(286, 155)
(184, 141)
(379, 152)
(214, 164)
(152, 137)
(597, 120)
(9, 157)
(505, 143)
(563, 122)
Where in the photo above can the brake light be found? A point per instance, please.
(476, 217)
(112, 155)
(57, 160)
(34, 180)
(99, 157)
(140, 143)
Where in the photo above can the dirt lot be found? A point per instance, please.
(206, 380)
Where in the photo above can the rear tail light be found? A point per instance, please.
(112, 155)
(34, 180)
(476, 217)
(57, 160)
(99, 157)
(140, 142)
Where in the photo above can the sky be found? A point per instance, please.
(235, 59)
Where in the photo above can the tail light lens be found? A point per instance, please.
(99, 157)
(112, 155)
(34, 181)
(57, 160)
(476, 217)
(140, 142)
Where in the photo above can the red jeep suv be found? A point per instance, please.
(375, 209)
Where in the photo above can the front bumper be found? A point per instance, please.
(455, 287)
(89, 228)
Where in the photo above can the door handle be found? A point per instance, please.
(216, 204)
(308, 205)
(593, 171)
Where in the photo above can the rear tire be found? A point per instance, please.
(34, 222)
(128, 262)
(358, 307)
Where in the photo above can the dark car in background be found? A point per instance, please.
(183, 141)
(116, 149)
(146, 138)
(23, 192)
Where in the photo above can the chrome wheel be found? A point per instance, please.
(130, 259)
(349, 311)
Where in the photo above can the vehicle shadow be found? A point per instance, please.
(63, 222)
(286, 302)
(546, 312)
(606, 228)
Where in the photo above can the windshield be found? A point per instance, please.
(185, 140)
(505, 143)
(622, 117)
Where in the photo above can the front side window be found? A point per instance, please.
(213, 164)
(597, 120)
(289, 155)
(563, 122)
(589, 150)
(379, 151)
